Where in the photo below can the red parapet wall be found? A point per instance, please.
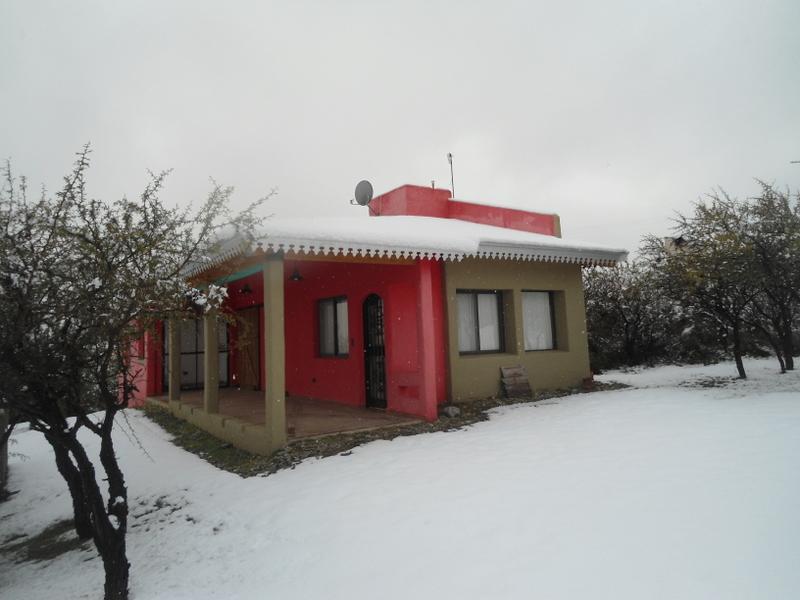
(521, 220)
(415, 200)
(411, 200)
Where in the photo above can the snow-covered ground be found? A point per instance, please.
(672, 489)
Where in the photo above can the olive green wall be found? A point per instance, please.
(478, 375)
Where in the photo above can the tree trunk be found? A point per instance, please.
(116, 563)
(109, 524)
(781, 362)
(117, 569)
(788, 351)
(81, 518)
(737, 351)
(776, 346)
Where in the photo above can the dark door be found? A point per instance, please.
(374, 353)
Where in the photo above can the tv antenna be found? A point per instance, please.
(452, 181)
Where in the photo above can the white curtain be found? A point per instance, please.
(489, 319)
(326, 315)
(467, 325)
(342, 332)
(537, 320)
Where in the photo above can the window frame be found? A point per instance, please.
(334, 300)
(551, 297)
(501, 322)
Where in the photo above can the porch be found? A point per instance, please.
(305, 417)
(301, 329)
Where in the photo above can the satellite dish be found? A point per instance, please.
(363, 192)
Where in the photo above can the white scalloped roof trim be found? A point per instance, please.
(405, 237)
(355, 250)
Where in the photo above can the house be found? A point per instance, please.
(344, 323)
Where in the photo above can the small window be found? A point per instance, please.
(537, 319)
(334, 335)
(480, 321)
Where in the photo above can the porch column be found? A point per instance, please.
(174, 364)
(427, 340)
(274, 345)
(210, 363)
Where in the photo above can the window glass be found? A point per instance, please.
(192, 352)
(467, 323)
(189, 336)
(201, 368)
(188, 369)
(222, 336)
(537, 319)
(223, 366)
(327, 343)
(200, 343)
(480, 323)
(342, 334)
(489, 322)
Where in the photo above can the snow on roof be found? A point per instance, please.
(410, 237)
(426, 237)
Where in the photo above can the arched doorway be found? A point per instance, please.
(374, 352)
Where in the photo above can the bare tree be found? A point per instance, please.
(772, 232)
(711, 272)
(80, 281)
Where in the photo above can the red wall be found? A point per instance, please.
(429, 202)
(411, 200)
(154, 361)
(140, 381)
(509, 218)
(342, 379)
(147, 364)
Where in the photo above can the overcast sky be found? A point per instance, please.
(612, 114)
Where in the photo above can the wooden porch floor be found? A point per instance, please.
(305, 417)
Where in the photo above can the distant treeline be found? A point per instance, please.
(726, 283)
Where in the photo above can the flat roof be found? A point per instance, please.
(426, 237)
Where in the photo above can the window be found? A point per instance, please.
(537, 320)
(480, 321)
(192, 352)
(334, 337)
